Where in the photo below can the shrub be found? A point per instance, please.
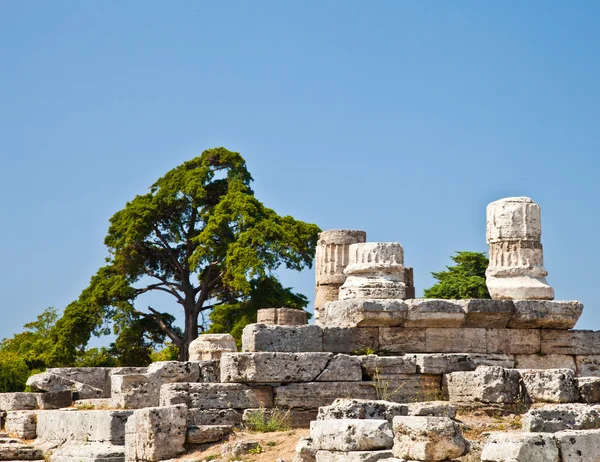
(13, 373)
(268, 420)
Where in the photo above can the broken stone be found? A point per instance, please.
(217, 395)
(354, 456)
(343, 408)
(488, 313)
(263, 337)
(305, 451)
(359, 312)
(545, 314)
(351, 435)
(550, 385)
(553, 418)
(199, 434)
(485, 384)
(504, 447)
(267, 367)
(211, 346)
(578, 445)
(155, 433)
(589, 389)
(427, 438)
(545, 362)
(588, 365)
(282, 316)
(70, 379)
(357, 340)
(432, 409)
(429, 312)
(238, 449)
(342, 368)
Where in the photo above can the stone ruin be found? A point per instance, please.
(379, 376)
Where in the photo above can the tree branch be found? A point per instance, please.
(162, 324)
(169, 250)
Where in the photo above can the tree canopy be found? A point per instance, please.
(199, 235)
(466, 279)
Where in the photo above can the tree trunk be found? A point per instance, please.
(191, 331)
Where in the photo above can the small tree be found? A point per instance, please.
(199, 235)
(466, 279)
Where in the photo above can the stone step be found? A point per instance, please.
(13, 449)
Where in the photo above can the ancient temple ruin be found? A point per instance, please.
(380, 375)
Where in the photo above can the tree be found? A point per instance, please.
(466, 279)
(199, 235)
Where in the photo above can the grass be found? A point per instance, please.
(268, 420)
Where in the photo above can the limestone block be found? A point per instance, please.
(317, 394)
(199, 434)
(210, 371)
(88, 452)
(237, 449)
(267, 367)
(578, 445)
(63, 379)
(545, 314)
(513, 341)
(343, 408)
(305, 451)
(216, 395)
(351, 435)
(557, 417)
(400, 340)
(342, 368)
(323, 295)
(21, 424)
(354, 456)
(375, 270)
(430, 312)
(174, 371)
(488, 313)
(506, 447)
(201, 417)
(362, 312)
(570, 342)
(54, 399)
(550, 385)
(432, 409)
(387, 365)
(545, 362)
(350, 340)
(440, 340)
(443, 363)
(155, 433)
(102, 426)
(18, 401)
(282, 316)
(589, 389)
(263, 337)
(13, 449)
(516, 268)
(332, 254)
(588, 365)
(488, 359)
(89, 404)
(427, 438)
(211, 346)
(485, 385)
(134, 391)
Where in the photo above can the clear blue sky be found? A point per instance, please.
(402, 118)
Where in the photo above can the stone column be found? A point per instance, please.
(330, 261)
(375, 270)
(516, 270)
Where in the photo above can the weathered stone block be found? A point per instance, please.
(429, 312)
(267, 367)
(199, 434)
(88, 452)
(341, 368)
(174, 371)
(343, 408)
(350, 340)
(489, 359)
(282, 316)
(427, 438)
(18, 401)
(545, 362)
(134, 391)
(263, 337)
(550, 385)
(578, 445)
(201, 417)
(486, 385)
(13, 449)
(211, 346)
(587, 365)
(439, 340)
(210, 371)
(351, 435)
(493, 314)
(361, 312)
(21, 424)
(513, 341)
(545, 314)
(88, 382)
(557, 417)
(570, 342)
(589, 389)
(216, 395)
(443, 363)
(305, 451)
(353, 456)
(317, 394)
(155, 433)
(432, 409)
(373, 364)
(54, 399)
(504, 447)
(400, 340)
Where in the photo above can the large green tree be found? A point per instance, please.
(202, 237)
(465, 279)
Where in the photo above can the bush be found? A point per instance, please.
(13, 373)
(268, 420)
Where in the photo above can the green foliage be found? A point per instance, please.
(466, 279)
(169, 353)
(13, 372)
(268, 420)
(199, 235)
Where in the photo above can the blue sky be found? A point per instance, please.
(402, 118)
